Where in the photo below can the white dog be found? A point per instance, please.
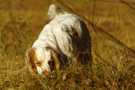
(66, 35)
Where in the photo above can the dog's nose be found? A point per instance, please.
(46, 74)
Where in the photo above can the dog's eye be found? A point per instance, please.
(38, 63)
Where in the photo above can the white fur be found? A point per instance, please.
(55, 11)
(43, 55)
(59, 36)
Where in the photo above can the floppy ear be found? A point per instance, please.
(31, 57)
(55, 58)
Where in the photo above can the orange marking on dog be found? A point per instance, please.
(32, 58)
(74, 31)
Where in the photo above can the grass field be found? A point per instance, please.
(112, 27)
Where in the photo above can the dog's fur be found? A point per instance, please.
(66, 35)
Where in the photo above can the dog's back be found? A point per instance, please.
(67, 34)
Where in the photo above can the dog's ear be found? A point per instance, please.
(31, 57)
(55, 56)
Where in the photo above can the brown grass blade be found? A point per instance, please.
(128, 17)
(113, 1)
(105, 61)
(70, 9)
(113, 39)
(126, 3)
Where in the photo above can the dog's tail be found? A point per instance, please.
(54, 11)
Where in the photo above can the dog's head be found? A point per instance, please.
(42, 60)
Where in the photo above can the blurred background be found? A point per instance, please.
(111, 25)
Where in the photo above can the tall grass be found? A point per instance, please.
(114, 38)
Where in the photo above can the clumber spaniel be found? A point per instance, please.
(66, 35)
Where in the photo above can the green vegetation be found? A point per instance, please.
(113, 65)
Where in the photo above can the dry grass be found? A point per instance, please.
(113, 46)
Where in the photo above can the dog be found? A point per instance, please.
(65, 35)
